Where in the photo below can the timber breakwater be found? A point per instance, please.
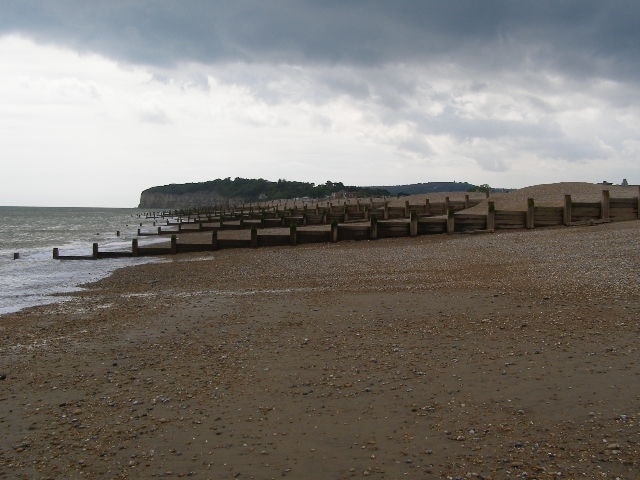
(290, 223)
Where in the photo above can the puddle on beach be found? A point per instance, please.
(185, 259)
(252, 291)
(140, 295)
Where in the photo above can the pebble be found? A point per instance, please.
(374, 373)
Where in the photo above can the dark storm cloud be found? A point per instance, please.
(498, 81)
(582, 36)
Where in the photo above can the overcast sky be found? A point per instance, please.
(102, 99)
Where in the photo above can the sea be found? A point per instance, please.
(31, 233)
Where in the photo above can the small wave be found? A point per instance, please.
(33, 232)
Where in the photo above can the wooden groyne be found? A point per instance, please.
(364, 221)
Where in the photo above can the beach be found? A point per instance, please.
(496, 356)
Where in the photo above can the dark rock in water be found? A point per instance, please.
(2, 376)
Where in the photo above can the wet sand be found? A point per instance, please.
(507, 355)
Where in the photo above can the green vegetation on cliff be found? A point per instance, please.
(258, 189)
(429, 187)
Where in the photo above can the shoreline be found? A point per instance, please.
(33, 233)
(479, 356)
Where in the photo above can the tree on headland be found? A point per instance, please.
(484, 188)
(249, 189)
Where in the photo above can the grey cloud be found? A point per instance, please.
(381, 54)
(416, 145)
(347, 82)
(491, 163)
(576, 36)
(562, 147)
(450, 122)
(155, 116)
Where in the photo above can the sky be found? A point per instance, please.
(100, 100)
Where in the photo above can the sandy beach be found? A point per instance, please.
(495, 356)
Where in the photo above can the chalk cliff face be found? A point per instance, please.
(179, 200)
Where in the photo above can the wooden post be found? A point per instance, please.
(491, 216)
(134, 247)
(16, 255)
(407, 212)
(413, 225)
(254, 237)
(118, 232)
(386, 211)
(566, 218)
(293, 236)
(56, 253)
(450, 219)
(604, 208)
(95, 251)
(174, 244)
(334, 231)
(346, 213)
(530, 221)
(446, 205)
(427, 207)
(214, 240)
(373, 233)
(138, 232)
(467, 203)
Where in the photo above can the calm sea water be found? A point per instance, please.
(34, 231)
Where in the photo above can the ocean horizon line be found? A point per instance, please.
(71, 206)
